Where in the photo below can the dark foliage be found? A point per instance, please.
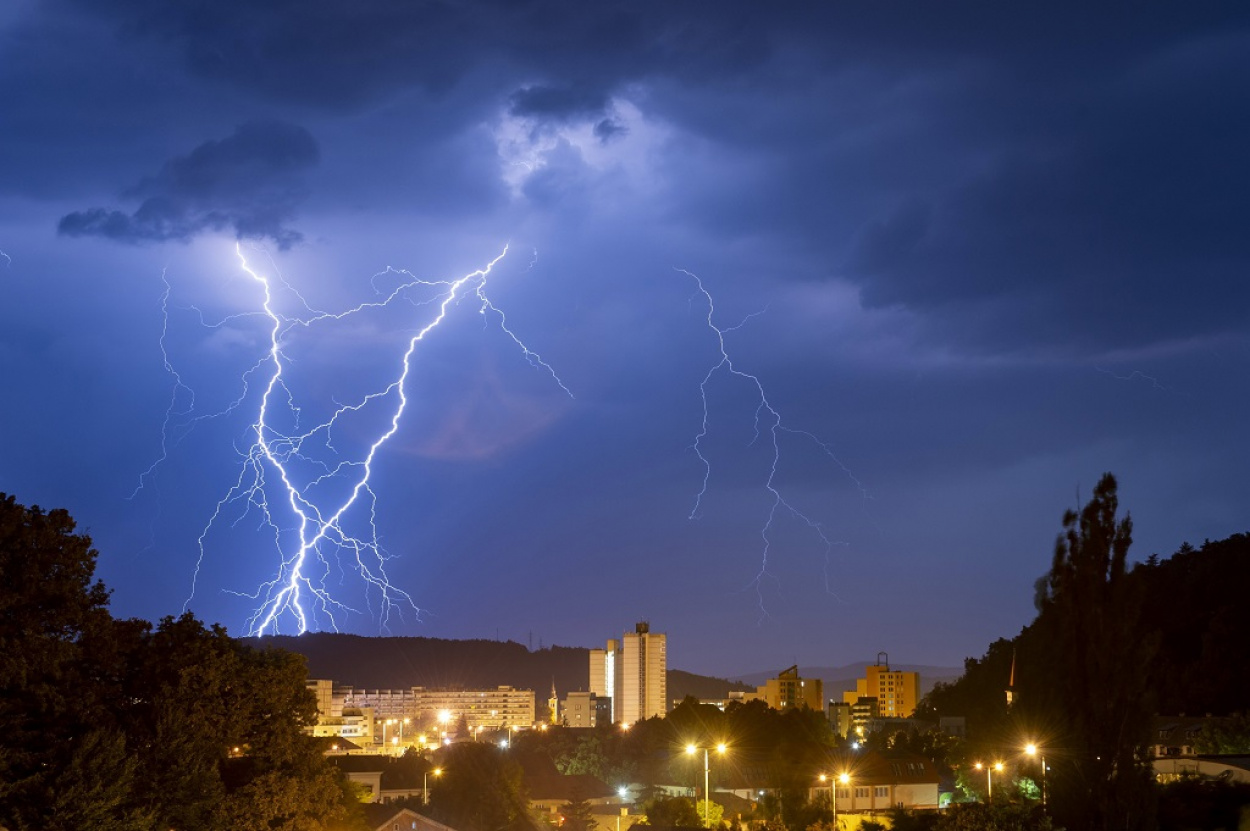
(481, 789)
(1111, 645)
(111, 724)
(1203, 805)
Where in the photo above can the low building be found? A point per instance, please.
(1231, 768)
(839, 714)
(385, 779)
(549, 789)
(879, 781)
(391, 818)
(1176, 735)
(585, 709)
(439, 710)
(790, 690)
(864, 711)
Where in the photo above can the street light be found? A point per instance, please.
(1032, 749)
(843, 779)
(707, 796)
(989, 777)
(425, 786)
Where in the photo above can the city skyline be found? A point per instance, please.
(811, 323)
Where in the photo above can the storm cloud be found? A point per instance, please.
(249, 182)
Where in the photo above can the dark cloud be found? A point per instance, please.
(1114, 224)
(345, 53)
(606, 129)
(558, 102)
(249, 182)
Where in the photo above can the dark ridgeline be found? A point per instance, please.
(399, 663)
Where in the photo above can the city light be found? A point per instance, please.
(691, 749)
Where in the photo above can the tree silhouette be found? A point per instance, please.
(1097, 685)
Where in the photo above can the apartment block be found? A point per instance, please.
(897, 692)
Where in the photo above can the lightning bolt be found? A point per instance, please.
(1137, 375)
(8, 261)
(303, 487)
(178, 392)
(767, 421)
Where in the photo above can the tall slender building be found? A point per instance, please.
(603, 674)
(633, 672)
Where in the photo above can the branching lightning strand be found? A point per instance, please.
(767, 420)
(267, 484)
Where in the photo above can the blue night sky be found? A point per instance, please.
(974, 254)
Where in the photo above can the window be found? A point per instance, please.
(844, 793)
(861, 793)
(881, 790)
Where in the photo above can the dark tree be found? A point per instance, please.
(112, 726)
(63, 765)
(976, 816)
(577, 815)
(673, 812)
(1096, 685)
(481, 789)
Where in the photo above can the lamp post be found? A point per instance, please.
(840, 779)
(833, 796)
(707, 796)
(989, 777)
(386, 723)
(425, 786)
(1032, 749)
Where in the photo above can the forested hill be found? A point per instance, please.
(399, 663)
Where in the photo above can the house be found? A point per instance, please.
(390, 818)
(549, 789)
(881, 780)
(387, 779)
(1176, 735)
(1230, 768)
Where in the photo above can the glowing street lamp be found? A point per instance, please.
(989, 777)
(1032, 749)
(833, 792)
(707, 795)
(425, 787)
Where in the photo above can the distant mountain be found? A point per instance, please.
(399, 663)
(840, 679)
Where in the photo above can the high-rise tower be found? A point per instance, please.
(634, 673)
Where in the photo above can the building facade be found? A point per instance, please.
(897, 692)
(789, 690)
(603, 674)
(634, 673)
(440, 710)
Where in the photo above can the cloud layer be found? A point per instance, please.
(249, 182)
